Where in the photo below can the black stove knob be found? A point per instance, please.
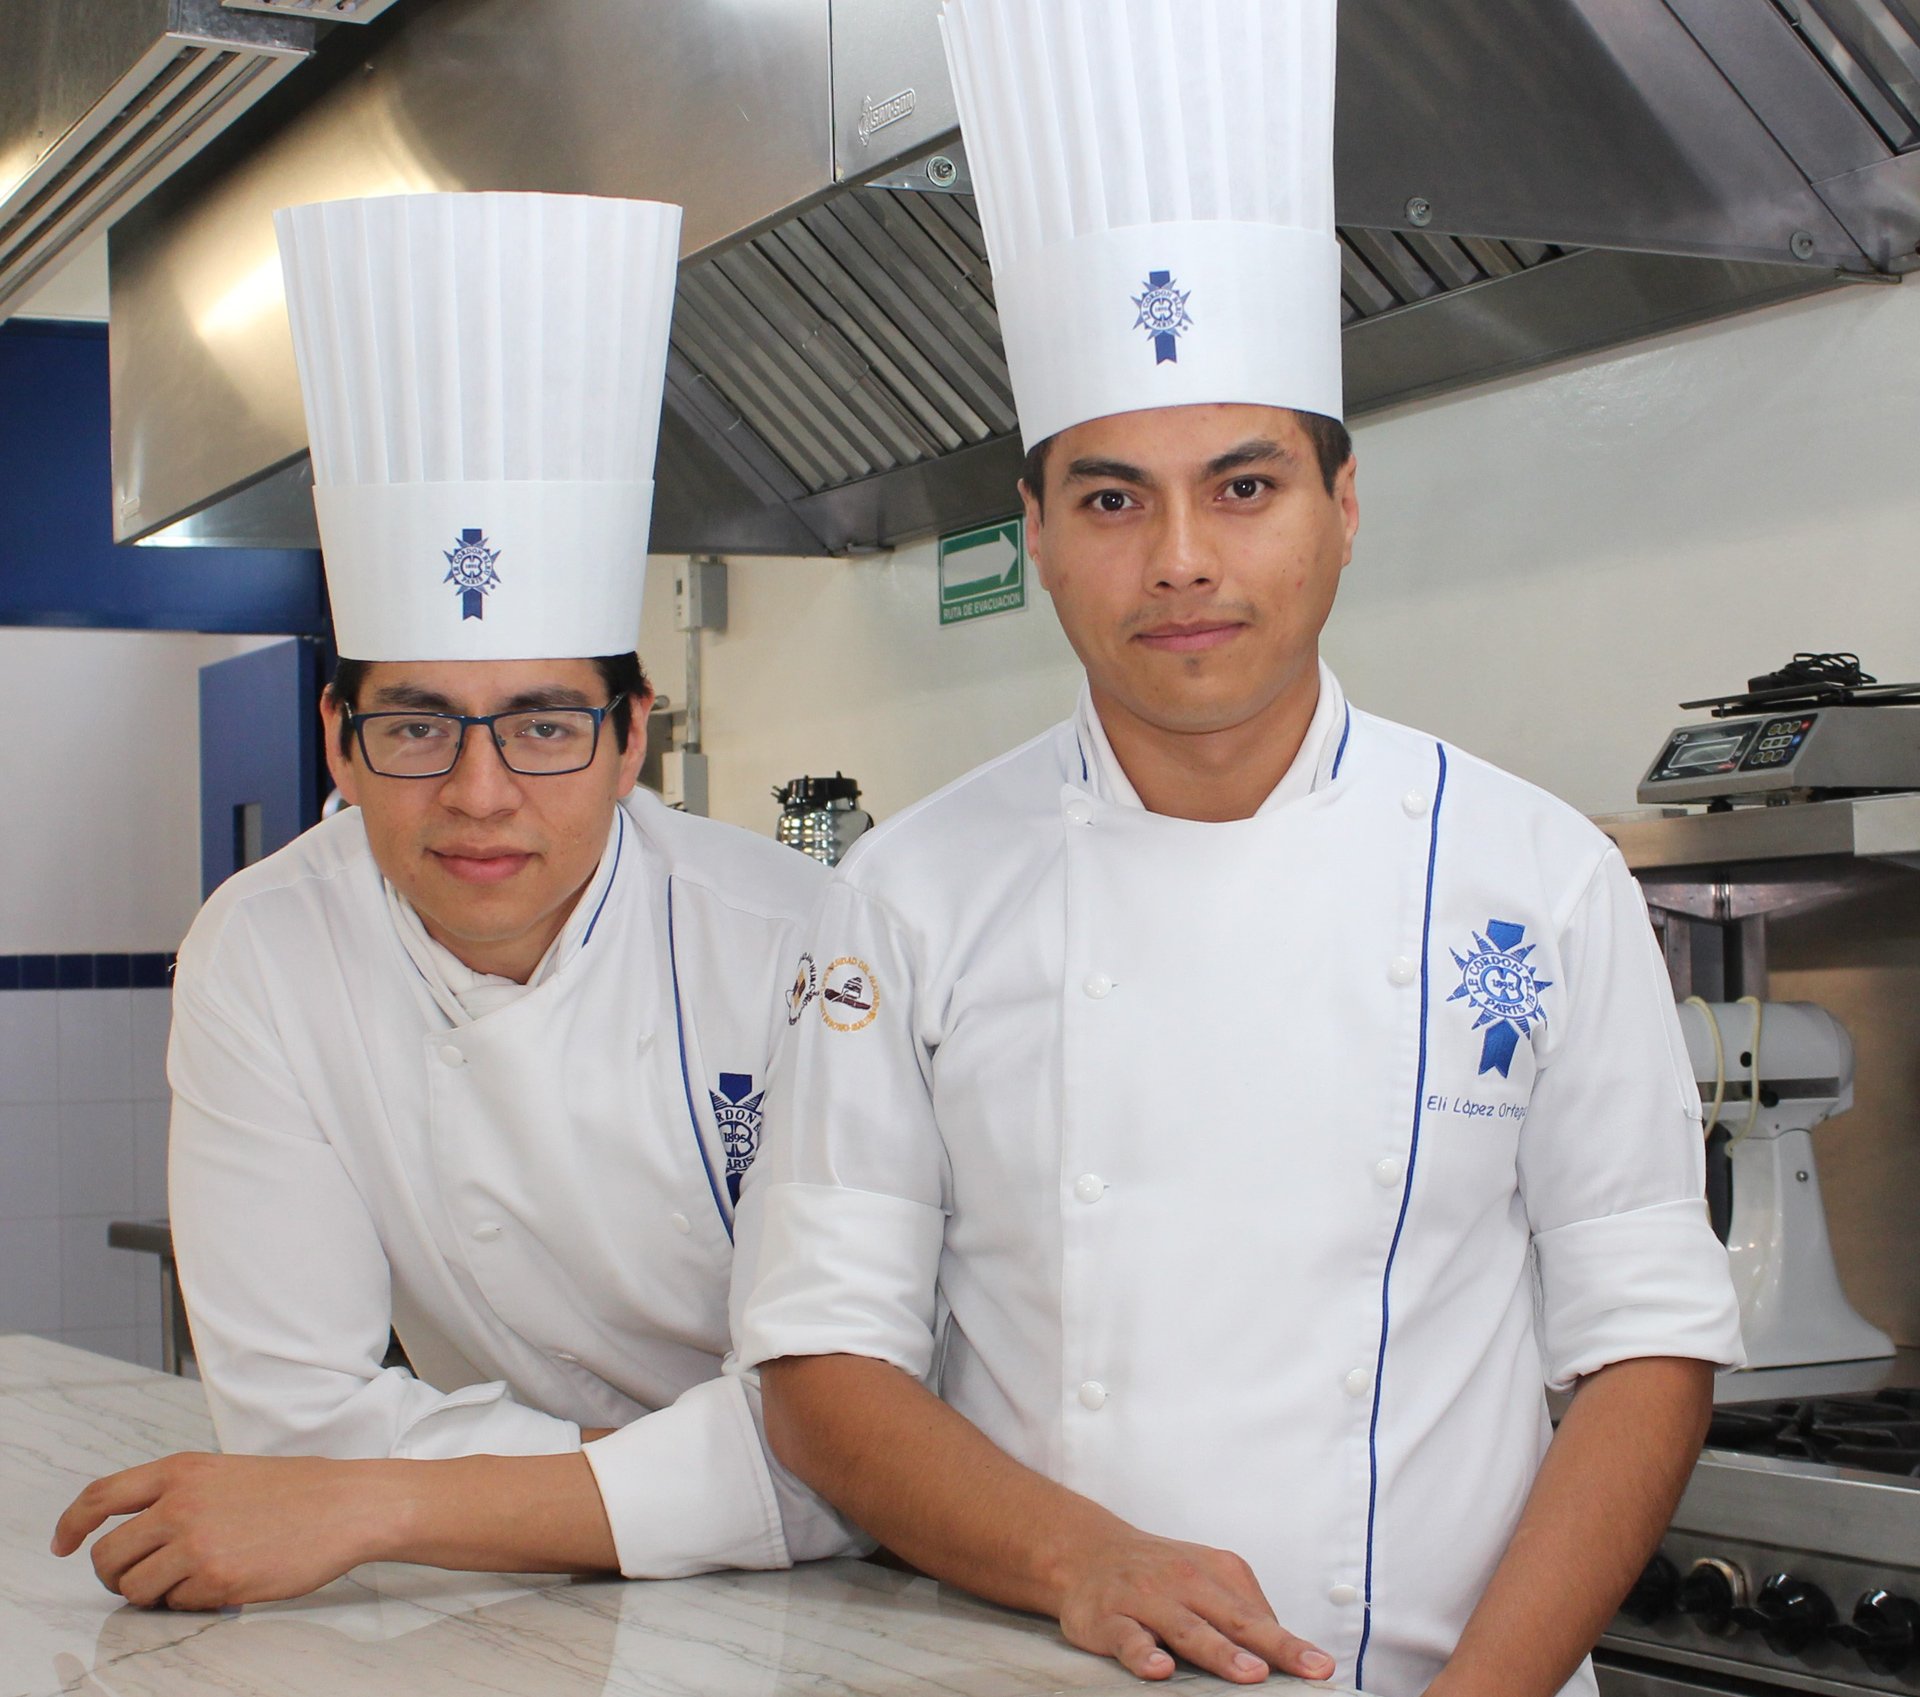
(1789, 1614)
(1710, 1593)
(1654, 1593)
(1885, 1629)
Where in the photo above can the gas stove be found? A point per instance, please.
(1793, 1560)
(1878, 1432)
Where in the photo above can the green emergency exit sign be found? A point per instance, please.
(983, 571)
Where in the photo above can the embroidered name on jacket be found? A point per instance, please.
(1498, 984)
(736, 1111)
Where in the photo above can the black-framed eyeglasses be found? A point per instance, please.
(536, 742)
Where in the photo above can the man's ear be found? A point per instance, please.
(635, 753)
(1347, 493)
(1030, 506)
(341, 767)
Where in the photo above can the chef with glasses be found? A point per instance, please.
(480, 1060)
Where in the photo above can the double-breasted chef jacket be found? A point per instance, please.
(538, 1200)
(1251, 1179)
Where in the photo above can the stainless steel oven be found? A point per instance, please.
(1793, 1561)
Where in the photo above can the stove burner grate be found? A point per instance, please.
(1880, 1433)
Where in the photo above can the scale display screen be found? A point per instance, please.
(1694, 751)
(1757, 746)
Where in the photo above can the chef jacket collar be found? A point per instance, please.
(464, 995)
(1313, 767)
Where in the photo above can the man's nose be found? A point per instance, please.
(1181, 557)
(480, 782)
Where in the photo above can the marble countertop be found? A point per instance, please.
(827, 1629)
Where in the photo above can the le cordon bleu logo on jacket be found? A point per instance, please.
(1499, 986)
(738, 1114)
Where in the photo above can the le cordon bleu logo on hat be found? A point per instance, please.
(470, 570)
(1163, 315)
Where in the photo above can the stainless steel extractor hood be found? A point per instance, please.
(1517, 181)
(100, 100)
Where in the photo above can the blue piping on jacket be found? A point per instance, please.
(1399, 1225)
(619, 840)
(1340, 753)
(686, 1076)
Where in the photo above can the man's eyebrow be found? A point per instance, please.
(411, 696)
(1261, 450)
(555, 695)
(1107, 471)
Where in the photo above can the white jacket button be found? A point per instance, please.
(1098, 985)
(1387, 1173)
(1080, 811)
(486, 1231)
(1401, 970)
(453, 1056)
(1357, 1383)
(1415, 802)
(680, 1223)
(565, 1355)
(1089, 1187)
(1093, 1394)
(1343, 1595)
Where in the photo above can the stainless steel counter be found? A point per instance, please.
(832, 1629)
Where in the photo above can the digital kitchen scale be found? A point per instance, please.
(1779, 756)
(1813, 729)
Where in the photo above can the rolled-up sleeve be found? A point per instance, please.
(838, 1238)
(1612, 1168)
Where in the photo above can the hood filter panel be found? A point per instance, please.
(861, 336)
(1871, 48)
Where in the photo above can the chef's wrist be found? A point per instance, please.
(390, 1508)
(1065, 1545)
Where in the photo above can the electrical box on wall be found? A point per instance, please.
(700, 595)
(683, 781)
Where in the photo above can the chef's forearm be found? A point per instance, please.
(494, 1514)
(924, 1481)
(1603, 1497)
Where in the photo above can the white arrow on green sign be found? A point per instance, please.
(983, 571)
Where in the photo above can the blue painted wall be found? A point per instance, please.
(59, 564)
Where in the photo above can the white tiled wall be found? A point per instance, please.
(83, 1141)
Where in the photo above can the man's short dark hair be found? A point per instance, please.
(619, 673)
(1332, 447)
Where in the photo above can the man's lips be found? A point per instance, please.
(480, 865)
(1190, 639)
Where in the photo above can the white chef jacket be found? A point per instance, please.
(539, 1200)
(1251, 1179)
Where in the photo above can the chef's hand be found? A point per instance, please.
(209, 1531)
(1132, 1594)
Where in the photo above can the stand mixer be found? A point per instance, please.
(1799, 1058)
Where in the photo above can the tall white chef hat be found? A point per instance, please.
(1155, 178)
(482, 376)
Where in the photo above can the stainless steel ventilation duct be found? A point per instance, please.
(1517, 181)
(101, 99)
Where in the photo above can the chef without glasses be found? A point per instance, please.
(481, 1059)
(1248, 1106)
